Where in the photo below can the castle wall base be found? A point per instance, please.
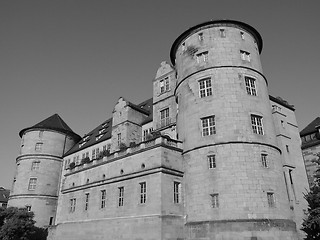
(246, 229)
(144, 228)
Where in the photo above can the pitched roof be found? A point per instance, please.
(4, 195)
(53, 122)
(311, 127)
(103, 131)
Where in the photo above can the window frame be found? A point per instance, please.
(164, 117)
(205, 87)
(32, 184)
(206, 127)
(202, 57)
(35, 165)
(245, 56)
(251, 86)
(176, 192)
(121, 196)
(264, 160)
(103, 198)
(212, 164)
(86, 201)
(257, 124)
(214, 200)
(164, 84)
(271, 199)
(143, 192)
(72, 207)
(38, 147)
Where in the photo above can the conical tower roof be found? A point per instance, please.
(53, 122)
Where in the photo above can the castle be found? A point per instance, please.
(210, 156)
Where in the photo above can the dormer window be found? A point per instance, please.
(164, 85)
(99, 136)
(102, 130)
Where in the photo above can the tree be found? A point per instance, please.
(311, 225)
(18, 224)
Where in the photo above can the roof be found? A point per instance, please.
(311, 128)
(4, 195)
(208, 24)
(53, 122)
(282, 102)
(103, 131)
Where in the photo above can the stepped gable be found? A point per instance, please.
(311, 127)
(103, 131)
(53, 122)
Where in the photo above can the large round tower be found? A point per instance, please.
(39, 166)
(234, 187)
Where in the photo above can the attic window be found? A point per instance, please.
(98, 137)
(105, 124)
(85, 138)
(81, 144)
(102, 130)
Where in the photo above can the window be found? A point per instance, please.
(250, 85)
(212, 161)
(164, 85)
(215, 200)
(97, 152)
(205, 87)
(104, 148)
(202, 57)
(287, 148)
(164, 117)
(291, 183)
(200, 37)
(271, 200)
(72, 205)
(208, 126)
(35, 165)
(83, 155)
(99, 136)
(119, 139)
(176, 192)
(242, 35)
(103, 198)
(245, 55)
(87, 154)
(40, 134)
(146, 132)
(121, 195)
(28, 207)
(256, 122)
(222, 33)
(38, 147)
(32, 184)
(143, 192)
(50, 221)
(264, 160)
(86, 204)
(93, 154)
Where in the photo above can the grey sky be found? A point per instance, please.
(76, 58)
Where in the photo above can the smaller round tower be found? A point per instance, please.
(36, 182)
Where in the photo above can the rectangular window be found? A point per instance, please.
(32, 184)
(121, 195)
(256, 122)
(83, 155)
(222, 33)
(208, 126)
(292, 186)
(250, 85)
(72, 205)
(103, 198)
(87, 154)
(242, 35)
(205, 87)
(41, 134)
(28, 207)
(212, 161)
(97, 152)
(200, 37)
(143, 192)
(86, 204)
(164, 85)
(93, 156)
(245, 55)
(215, 200)
(38, 147)
(264, 160)
(35, 165)
(146, 132)
(104, 148)
(118, 139)
(287, 148)
(164, 117)
(176, 192)
(202, 57)
(271, 200)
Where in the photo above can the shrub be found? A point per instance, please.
(72, 165)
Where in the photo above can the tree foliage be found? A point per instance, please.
(311, 225)
(18, 224)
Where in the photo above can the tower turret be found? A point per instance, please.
(39, 166)
(234, 185)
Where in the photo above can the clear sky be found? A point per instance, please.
(76, 58)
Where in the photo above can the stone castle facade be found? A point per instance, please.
(211, 156)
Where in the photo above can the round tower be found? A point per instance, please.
(39, 166)
(234, 184)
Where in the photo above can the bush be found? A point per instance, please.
(85, 160)
(122, 146)
(132, 144)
